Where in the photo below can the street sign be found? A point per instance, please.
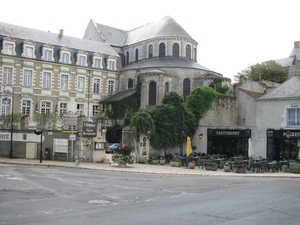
(72, 137)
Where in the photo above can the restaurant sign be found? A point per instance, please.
(89, 129)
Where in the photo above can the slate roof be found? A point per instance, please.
(287, 90)
(119, 95)
(166, 63)
(54, 39)
(285, 62)
(166, 27)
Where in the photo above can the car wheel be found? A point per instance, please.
(114, 151)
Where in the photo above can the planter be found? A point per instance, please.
(191, 165)
(155, 161)
(177, 164)
(241, 169)
(122, 164)
(162, 162)
(213, 168)
(227, 168)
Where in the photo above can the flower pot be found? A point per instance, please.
(122, 164)
(191, 165)
(213, 168)
(177, 164)
(227, 168)
(162, 162)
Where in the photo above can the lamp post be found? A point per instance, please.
(40, 132)
(12, 120)
(288, 135)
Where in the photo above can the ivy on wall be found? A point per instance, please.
(125, 107)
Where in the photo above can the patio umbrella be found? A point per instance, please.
(250, 148)
(188, 146)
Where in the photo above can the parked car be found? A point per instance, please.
(112, 148)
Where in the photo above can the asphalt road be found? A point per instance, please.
(40, 195)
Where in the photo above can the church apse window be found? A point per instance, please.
(175, 50)
(150, 51)
(186, 87)
(188, 51)
(127, 58)
(162, 50)
(152, 93)
(136, 55)
(130, 83)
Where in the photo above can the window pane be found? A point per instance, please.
(26, 107)
(162, 50)
(48, 55)
(81, 61)
(150, 51)
(45, 107)
(96, 85)
(62, 108)
(79, 109)
(46, 80)
(29, 52)
(110, 87)
(27, 78)
(8, 49)
(176, 50)
(80, 84)
(97, 63)
(65, 58)
(7, 76)
(188, 52)
(64, 82)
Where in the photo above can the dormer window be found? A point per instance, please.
(97, 61)
(47, 52)
(81, 58)
(9, 45)
(112, 63)
(28, 49)
(65, 54)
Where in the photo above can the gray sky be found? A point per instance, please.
(231, 34)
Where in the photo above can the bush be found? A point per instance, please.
(126, 149)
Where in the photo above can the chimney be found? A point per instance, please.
(296, 44)
(61, 33)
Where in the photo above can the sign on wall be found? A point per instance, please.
(89, 129)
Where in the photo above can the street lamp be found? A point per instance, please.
(288, 135)
(40, 132)
(12, 119)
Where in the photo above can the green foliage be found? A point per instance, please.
(200, 100)
(124, 154)
(16, 118)
(48, 118)
(268, 70)
(114, 134)
(294, 167)
(126, 106)
(143, 123)
(217, 85)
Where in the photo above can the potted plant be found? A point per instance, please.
(192, 164)
(154, 157)
(210, 165)
(175, 162)
(124, 155)
(227, 167)
(162, 160)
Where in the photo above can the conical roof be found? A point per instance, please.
(166, 27)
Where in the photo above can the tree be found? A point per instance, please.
(143, 123)
(268, 70)
(199, 101)
(216, 84)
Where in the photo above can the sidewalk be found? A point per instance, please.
(143, 168)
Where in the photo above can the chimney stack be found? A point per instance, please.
(61, 33)
(296, 44)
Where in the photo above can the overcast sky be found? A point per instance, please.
(231, 34)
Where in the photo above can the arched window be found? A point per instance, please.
(186, 87)
(150, 51)
(195, 54)
(188, 51)
(127, 58)
(162, 50)
(152, 93)
(167, 86)
(130, 83)
(136, 55)
(176, 50)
